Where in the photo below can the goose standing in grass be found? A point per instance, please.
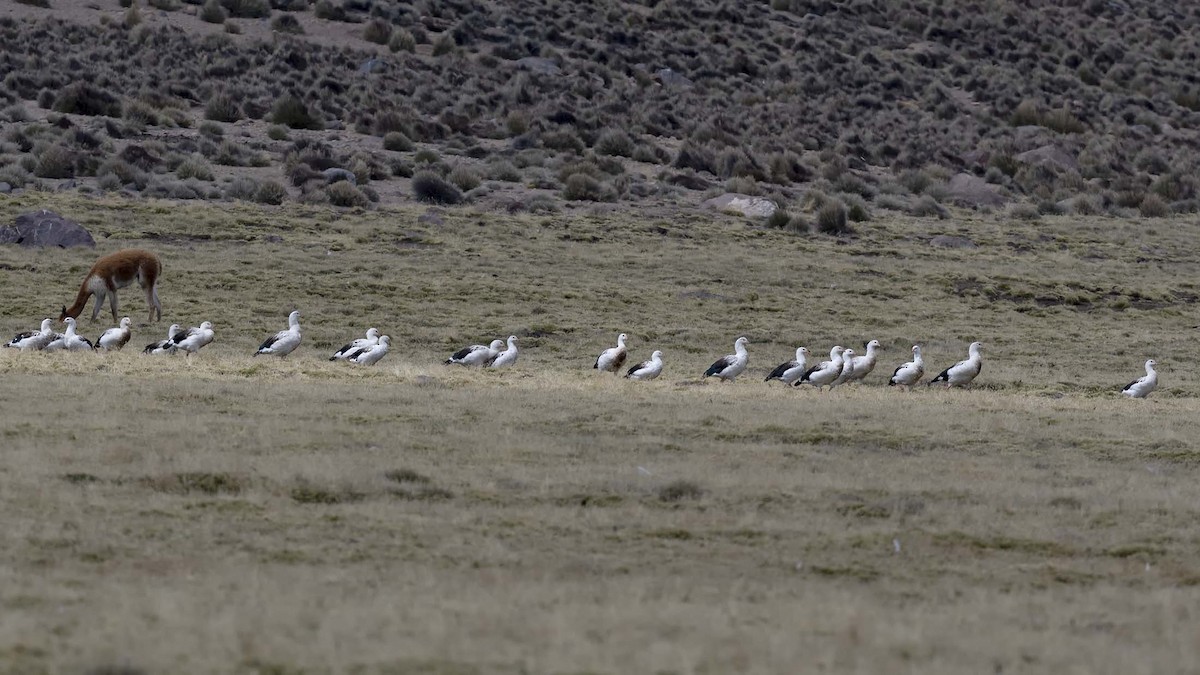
(910, 373)
(477, 355)
(508, 356)
(368, 356)
(114, 339)
(789, 372)
(729, 367)
(647, 370)
(191, 340)
(962, 373)
(164, 346)
(611, 359)
(34, 339)
(824, 372)
(285, 341)
(70, 340)
(367, 342)
(847, 369)
(1141, 387)
(863, 365)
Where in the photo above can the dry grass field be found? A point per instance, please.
(236, 514)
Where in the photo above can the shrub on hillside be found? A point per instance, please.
(464, 177)
(247, 9)
(402, 41)
(212, 12)
(503, 170)
(832, 218)
(614, 142)
(286, 23)
(55, 161)
(194, 167)
(342, 193)
(582, 187)
(429, 187)
(1153, 206)
(277, 132)
(291, 111)
(378, 31)
(81, 98)
(270, 192)
(397, 141)
(222, 108)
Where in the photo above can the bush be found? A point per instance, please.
(582, 187)
(242, 187)
(232, 28)
(222, 108)
(1153, 206)
(343, 193)
(247, 9)
(378, 31)
(212, 12)
(832, 218)
(402, 41)
(444, 45)
(211, 130)
(277, 132)
(503, 170)
(1023, 211)
(270, 192)
(292, 112)
(464, 177)
(81, 98)
(614, 142)
(15, 175)
(397, 141)
(132, 17)
(429, 187)
(55, 161)
(138, 114)
(194, 167)
(286, 23)
(165, 5)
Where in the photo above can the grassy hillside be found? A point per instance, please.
(529, 105)
(229, 513)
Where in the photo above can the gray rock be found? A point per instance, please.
(969, 190)
(45, 228)
(369, 66)
(5, 188)
(950, 241)
(537, 64)
(334, 174)
(1049, 155)
(754, 207)
(670, 78)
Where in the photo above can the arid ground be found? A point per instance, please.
(225, 513)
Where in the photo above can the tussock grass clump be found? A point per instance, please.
(213, 12)
(583, 187)
(289, 110)
(195, 167)
(832, 218)
(402, 41)
(614, 142)
(1153, 206)
(464, 177)
(277, 132)
(444, 45)
(286, 23)
(378, 31)
(241, 187)
(56, 161)
(82, 98)
(342, 193)
(397, 142)
(406, 476)
(503, 170)
(270, 192)
(429, 187)
(247, 9)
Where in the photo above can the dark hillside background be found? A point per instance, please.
(1048, 107)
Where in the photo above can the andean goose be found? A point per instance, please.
(70, 340)
(790, 371)
(824, 372)
(285, 341)
(910, 373)
(847, 369)
(164, 346)
(477, 355)
(34, 339)
(613, 358)
(192, 339)
(369, 355)
(508, 356)
(1141, 387)
(647, 370)
(963, 372)
(863, 365)
(367, 342)
(729, 367)
(114, 339)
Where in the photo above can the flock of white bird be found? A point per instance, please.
(843, 367)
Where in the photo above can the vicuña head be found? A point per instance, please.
(118, 270)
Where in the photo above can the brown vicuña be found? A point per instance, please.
(118, 270)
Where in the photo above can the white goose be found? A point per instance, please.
(477, 355)
(164, 346)
(192, 339)
(1141, 387)
(508, 356)
(367, 342)
(729, 367)
(863, 365)
(824, 372)
(285, 341)
(790, 371)
(962, 373)
(34, 339)
(647, 370)
(70, 340)
(370, 355)
(114, 339)
(611, 359)
(910, 373)
(847, 369)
